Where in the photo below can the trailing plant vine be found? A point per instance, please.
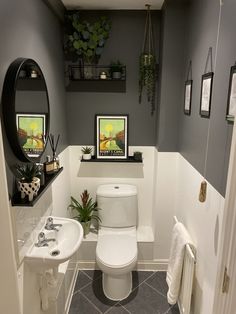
(147, 65)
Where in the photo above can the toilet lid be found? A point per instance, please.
(116, 250)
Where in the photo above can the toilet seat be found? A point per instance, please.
(117, 248)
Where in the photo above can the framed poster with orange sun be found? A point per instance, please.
(111, 136)
(31, 133)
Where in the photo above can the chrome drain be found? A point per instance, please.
(55, 253)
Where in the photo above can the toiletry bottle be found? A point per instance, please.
(50, 165)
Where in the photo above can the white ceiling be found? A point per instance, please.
(112, 5)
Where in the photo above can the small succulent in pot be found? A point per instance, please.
(28, 183)
(86, 210)
(116, 69)
(87, 152)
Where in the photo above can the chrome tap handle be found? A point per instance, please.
(41, 237)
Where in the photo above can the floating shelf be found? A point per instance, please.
(89, 79)
(130, 159)
(18, 201)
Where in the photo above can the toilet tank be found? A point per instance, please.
(118, 204)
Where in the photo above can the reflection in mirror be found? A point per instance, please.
(26, 109)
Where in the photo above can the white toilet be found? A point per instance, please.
(116, 252)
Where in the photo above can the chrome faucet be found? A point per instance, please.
(50, 225)
(42, 241)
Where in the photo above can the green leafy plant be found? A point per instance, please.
(84, 39)
(148, 77)
(86, 210)
(86, 150)
(116, 67)
(27, 172)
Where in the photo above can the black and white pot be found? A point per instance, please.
(29, 188)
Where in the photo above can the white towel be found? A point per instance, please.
(180, 237)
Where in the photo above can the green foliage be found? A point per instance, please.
(116, 67)
(84, 39)
(86, 150)
(27, 172)
(147, 78)
(86, 210)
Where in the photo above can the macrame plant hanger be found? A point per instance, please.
(147, 64)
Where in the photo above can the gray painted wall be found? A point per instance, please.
(125, 44)
(172, 72)
(196, 35)
(29, 29)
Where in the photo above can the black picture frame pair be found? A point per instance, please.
(205, 98)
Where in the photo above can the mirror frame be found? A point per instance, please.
(9, 112)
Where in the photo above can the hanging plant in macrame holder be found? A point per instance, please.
(147, 65)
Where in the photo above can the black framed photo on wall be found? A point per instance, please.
(111, 136)
(188, 97)
(206, 92)
(231, 103)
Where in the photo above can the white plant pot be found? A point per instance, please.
(30, 189)
(86, 156)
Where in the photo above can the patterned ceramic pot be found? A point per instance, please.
(30, 189)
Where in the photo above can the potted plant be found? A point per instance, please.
(85, 40)
(29, 183)
(86, 152)
(116, 70)
(86, 211)
(148, 77)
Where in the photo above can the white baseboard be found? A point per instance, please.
(153, 265)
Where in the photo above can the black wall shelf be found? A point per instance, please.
(89, 79)
(18, 201)
(130, 159)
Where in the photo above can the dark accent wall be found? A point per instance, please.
(125, 44)
(172, 71)
(29, 29)
(198, 32)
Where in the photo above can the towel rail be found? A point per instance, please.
(188, 248)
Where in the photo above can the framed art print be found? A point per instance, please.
(111, 136)
(231, 104)
(206, 92)
(188, 97)
(31, 133)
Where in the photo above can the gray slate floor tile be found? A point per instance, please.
(148, 295)
(117, 310)
(93, 274)
(145, 300)
(82, 281)
(80, 305)
(158, 282)
(94, 293)
(140, 276)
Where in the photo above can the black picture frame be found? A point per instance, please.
(188, 97)
(231, 100)
(32, 141)
(206, 94)
(111, 136)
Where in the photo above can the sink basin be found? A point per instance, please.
(67, 241)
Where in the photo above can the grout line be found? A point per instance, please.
(90, 302)
(155, 290)
(126, 309)
(143, 280)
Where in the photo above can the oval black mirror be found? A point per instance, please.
(26, 109)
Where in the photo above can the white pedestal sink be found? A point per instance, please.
(67, 241)
(61, 244)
